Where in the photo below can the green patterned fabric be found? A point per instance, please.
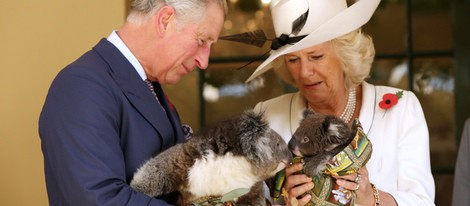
(354, 156)
(225, 200)
(210, 201)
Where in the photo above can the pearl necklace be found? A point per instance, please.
(350, 106)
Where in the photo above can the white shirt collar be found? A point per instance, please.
(117, 41)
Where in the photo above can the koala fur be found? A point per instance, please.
(239, 152)
(318, 139)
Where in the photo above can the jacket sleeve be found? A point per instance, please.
(461, 192)
(83, 153)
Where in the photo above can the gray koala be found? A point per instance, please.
(239, 152)
(318, 139)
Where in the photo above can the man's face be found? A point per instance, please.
(190, 46)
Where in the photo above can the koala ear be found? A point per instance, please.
(330, 126)
(251, 130)
(331, 131)
(325, 125)
(252, 124)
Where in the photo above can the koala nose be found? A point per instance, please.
(292, 144)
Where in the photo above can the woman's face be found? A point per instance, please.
(317, 72)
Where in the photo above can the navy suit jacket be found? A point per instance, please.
(99, 123)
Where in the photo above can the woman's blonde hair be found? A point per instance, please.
(355, 51)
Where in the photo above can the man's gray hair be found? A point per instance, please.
(186, 11)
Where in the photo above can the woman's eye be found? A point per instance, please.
(316, 57)
(292, 60)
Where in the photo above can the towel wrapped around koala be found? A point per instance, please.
(326, 192)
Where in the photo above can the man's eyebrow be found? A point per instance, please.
(210, 38)
(205, 36)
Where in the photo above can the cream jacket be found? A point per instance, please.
(400, 161)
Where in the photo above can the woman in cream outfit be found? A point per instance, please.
(399, 164)
(328, 58)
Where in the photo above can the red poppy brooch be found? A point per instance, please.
(389, 100)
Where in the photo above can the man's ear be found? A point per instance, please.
(165, 16)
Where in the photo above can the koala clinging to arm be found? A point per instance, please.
(318, 139)
(239, 152)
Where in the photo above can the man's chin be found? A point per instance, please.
(172, 80)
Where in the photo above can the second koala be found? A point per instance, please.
(319, 138)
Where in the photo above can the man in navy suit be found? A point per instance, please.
(101, 120)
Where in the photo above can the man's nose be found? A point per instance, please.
(202, 58)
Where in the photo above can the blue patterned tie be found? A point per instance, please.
(152, 89)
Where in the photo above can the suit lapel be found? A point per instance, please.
(171, 111)
(136, 91)
(368, 107)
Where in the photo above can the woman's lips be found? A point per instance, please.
(313, 84)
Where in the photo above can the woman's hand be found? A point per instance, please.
(296, 185)
(360, 183)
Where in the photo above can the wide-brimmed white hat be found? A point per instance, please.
(300, 24)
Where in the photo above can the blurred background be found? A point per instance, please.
(421, 46)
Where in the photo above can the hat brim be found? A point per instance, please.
(344, 22)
